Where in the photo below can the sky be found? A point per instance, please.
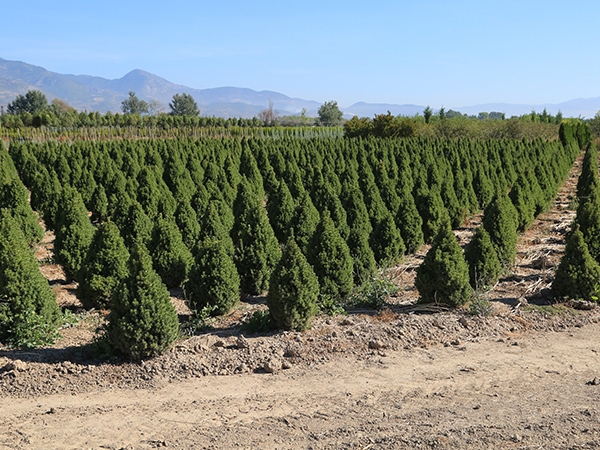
(425, 52)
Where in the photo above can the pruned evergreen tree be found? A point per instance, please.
(170, 257)
(484, 265)
(386, 242)
(499, 220)
(142, 322)
(188, 224)
(138, 227)
(578, 274)
(74, 233)
(211, 227)
(281, 208)
(29, 314)
(14, 197)
(305, 220)
(330, 257)
(213, 279)
(105, 266)
(256, 247)
(409, 223)
(294, 290)
(443, 276)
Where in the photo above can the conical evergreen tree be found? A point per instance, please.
(499, 220)
(386, 242)
(29, 314)
(578, 274)
(330, 257)
(443, 276)
(74, 233)
(138, 228)
(188, 224)
(211, 227)
(142, 322)
(256, 247)
(522, 200)
(213, 279)
(280, 208)
(105, 266)
(304, 223)
(170, 257)
(14, 197)
(294, 290)
(484, 265)
(409, 223)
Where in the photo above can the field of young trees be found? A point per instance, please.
(307, 218)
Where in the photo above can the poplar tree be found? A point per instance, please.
(142, 322)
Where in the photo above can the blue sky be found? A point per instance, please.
(427, 52)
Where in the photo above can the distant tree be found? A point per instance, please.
(155, 107)
(329, 114)
(133, 105)
(61, 107)
(184, 105)
(268, 115)
(33, 102)
(427, 113)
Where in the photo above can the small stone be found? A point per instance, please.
(242, 342)
(463, 321)
(376, 345)
(272, 366)
(594, 382)
(285, 365)
(219, 343)
(347, 321)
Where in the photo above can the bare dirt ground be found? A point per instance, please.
(526, 377)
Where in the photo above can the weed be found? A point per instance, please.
(200, 321)
(259, 322)
(373, 293)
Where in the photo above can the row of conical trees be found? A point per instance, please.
(220, 217)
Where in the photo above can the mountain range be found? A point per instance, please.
(91, 93)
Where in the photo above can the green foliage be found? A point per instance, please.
(142, 322)
(281, 208)
(578, 274)
(443, 276)
(386, 242)
(409, 223)
(213, 279)
(256, 247)
(29, 315)
(330, 114)
(480, 306)
(14, 197)
(294, 292)
(184, 105)
(330, 257)
(104, 267)
(305, 220)
(170, 257)
(499, 220)
(260, 321)
(200, 321)
(133, 105)
(212, 227)
(484, 265)
(74, 233)
(33, 102)
(373, 293)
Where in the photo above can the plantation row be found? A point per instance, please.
(305, 219)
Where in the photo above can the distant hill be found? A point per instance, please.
(90, 93)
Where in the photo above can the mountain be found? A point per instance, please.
(90, 93)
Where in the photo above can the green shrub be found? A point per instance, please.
(294, 292)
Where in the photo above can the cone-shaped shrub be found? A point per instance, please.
(578, 274)
(280, 208)
(170, 256)
(588, 221)
(74, 233)
(256, 247)
(213, 279)
(443, 276)
(187, 221)
(432, 211)
(29, 315)
(138, 227)
(365, 266)
(294, 291)
(14, 196)
(386, 242)
(523, 201)
(499, 220)
(330, 257)
(409, 223)
(105, 266)
(212, 227)
(304, 223)
(484, 265)
(142, 321)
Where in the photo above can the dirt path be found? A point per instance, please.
(527, 391)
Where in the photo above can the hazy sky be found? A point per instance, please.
(426, 52)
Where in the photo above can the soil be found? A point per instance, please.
(525, 376)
